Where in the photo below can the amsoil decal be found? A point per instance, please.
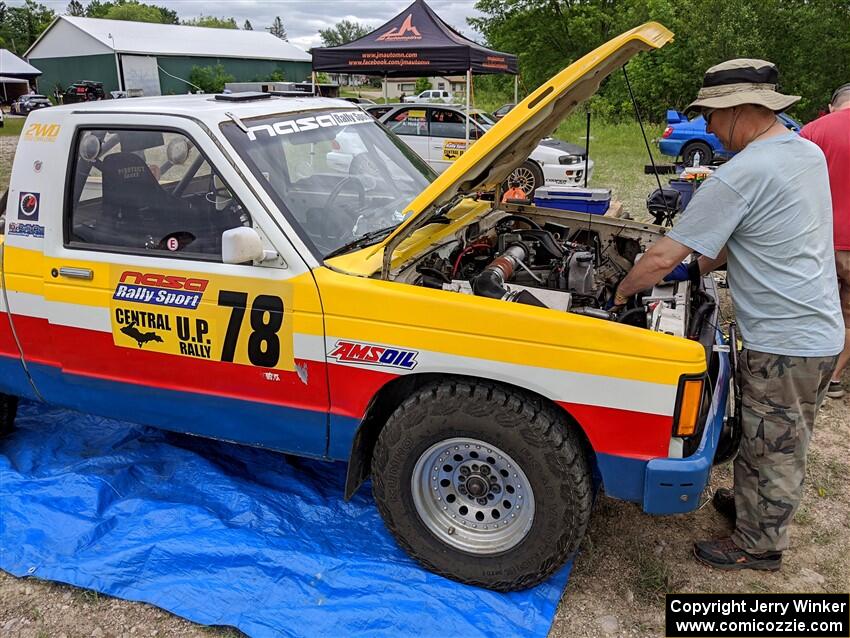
(41, 132)
(452, 149)
(404, 33)
(301, 124)
(160, 290)
(28, 207)
(372, 355)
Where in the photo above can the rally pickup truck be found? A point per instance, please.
(194, 263)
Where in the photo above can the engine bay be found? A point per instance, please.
(563, 261)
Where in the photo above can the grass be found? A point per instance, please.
(12, 126)
(87, 596)
(652, 576)
(827, 476)
(619, 154)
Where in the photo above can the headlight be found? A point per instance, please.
(569, 159)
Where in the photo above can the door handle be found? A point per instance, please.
(76, 273)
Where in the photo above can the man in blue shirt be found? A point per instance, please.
(767, 215)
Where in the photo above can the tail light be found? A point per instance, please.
(688, 405)
(667, 132)
(335, 145)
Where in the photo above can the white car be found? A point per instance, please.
(431, 96)
(437, 134)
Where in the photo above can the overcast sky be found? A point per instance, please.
(304, 18)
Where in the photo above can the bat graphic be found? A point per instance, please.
(140, 337)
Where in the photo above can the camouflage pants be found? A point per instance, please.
(781, 396)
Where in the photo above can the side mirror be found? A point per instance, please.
(241, 244)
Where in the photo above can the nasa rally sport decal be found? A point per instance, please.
(225, 319)
(28, 207)
(160, 290)
(310, 123)
(374, 355)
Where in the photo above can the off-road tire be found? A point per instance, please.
(535, 434)
(8, 411)
(690, 150)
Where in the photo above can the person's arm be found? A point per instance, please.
(707, 264)
(660, 259)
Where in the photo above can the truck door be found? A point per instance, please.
(149, 324)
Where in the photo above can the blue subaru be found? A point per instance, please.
(685, 138)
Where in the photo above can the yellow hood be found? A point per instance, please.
(507, 144)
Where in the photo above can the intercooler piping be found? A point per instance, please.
(490, 282)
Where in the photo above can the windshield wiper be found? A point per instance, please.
(363, 240)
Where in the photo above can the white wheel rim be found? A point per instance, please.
(472, 496)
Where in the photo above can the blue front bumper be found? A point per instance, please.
(672, 486)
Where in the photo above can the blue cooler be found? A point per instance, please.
(580, 200)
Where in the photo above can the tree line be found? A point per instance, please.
(20, 26)
(809, 40)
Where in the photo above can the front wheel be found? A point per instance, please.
(482, 484)
(529, 176)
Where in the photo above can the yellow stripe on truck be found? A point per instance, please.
(373, 310)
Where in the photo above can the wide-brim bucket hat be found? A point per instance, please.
(742, 81)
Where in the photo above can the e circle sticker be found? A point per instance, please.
(172, 244)
(28, 206)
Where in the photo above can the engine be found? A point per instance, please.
(542, 262)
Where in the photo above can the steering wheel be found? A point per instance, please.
(325, 226)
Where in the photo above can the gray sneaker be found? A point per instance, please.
(835, 391)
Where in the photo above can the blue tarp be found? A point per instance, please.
(226, 535)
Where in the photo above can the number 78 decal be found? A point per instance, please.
(266, 319)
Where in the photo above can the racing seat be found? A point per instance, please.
(135, 206)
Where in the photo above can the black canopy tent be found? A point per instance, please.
(416, 42)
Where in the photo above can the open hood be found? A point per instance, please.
(511, 140)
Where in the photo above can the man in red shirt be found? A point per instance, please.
(832, 133)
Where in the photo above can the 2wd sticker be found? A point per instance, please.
(372, 355)
(160, 290)
(28, 207)
(42, 132)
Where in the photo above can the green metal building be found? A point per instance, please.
(156, 59)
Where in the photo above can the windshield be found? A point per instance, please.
(337, 174)
(482, 118)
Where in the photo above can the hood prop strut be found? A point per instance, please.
(645, 141)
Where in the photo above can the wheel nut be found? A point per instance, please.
(482, 501)
(485, 470)
(464, 471)
(495, 488)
